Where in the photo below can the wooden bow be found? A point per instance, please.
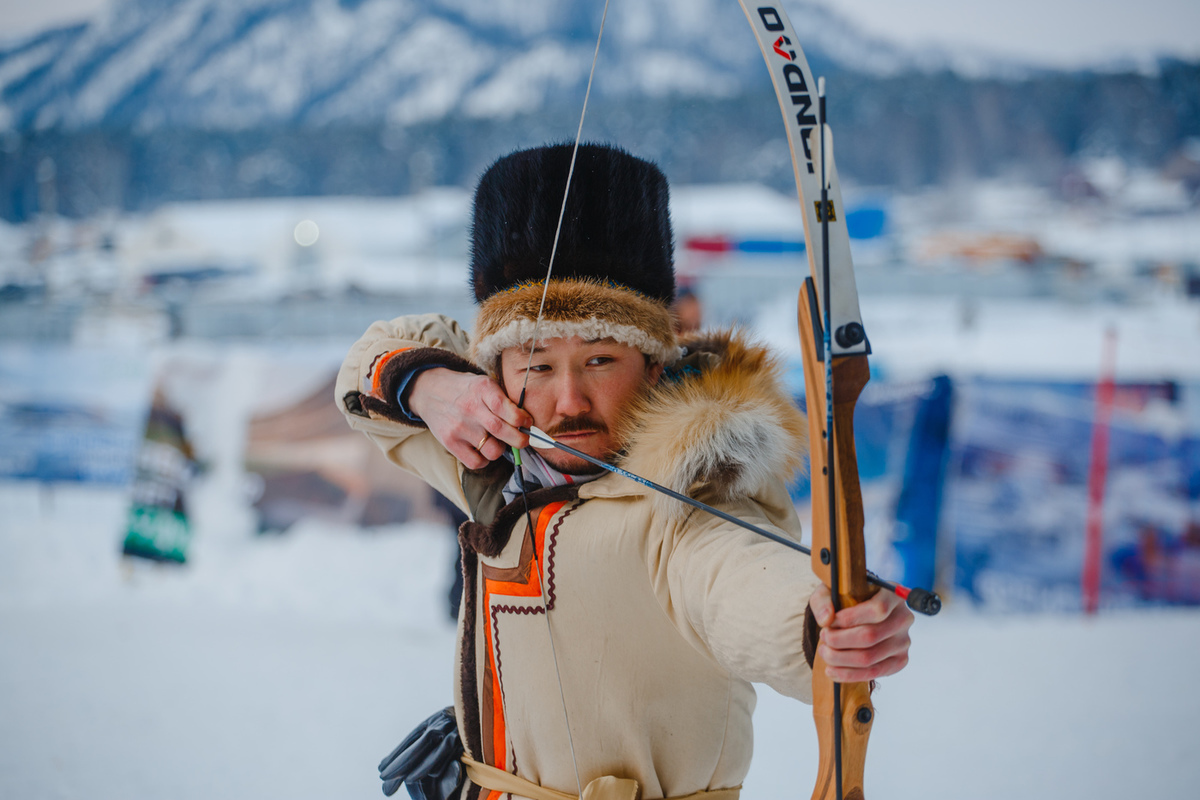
(835, 349)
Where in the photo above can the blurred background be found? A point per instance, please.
(208, 585)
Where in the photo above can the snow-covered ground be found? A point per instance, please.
(268, 667)
(286, 667)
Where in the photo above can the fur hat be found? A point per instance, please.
(613, 274)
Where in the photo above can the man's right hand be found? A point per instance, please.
(469, 414)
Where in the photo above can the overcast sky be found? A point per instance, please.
(1050, 32)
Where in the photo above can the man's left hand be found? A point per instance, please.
(862, 642)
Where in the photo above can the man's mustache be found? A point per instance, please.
(578, 424)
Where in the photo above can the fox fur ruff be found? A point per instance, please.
(721, 424)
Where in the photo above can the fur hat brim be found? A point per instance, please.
(587, 308)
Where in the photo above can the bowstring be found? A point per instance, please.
(525, 384)
(831, 477)
(562, 211)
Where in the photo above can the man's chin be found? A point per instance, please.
(568, 464)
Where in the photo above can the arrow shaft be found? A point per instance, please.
(931, 603)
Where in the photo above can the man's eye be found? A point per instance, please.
(600, 360)
(539, 368)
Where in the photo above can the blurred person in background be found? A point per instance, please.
(608, 635)
(686, 311)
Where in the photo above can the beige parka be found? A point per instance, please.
(661, 615)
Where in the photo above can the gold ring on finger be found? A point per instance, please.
(482, 441)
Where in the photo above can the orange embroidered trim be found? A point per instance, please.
(376, 369)
(528, 584)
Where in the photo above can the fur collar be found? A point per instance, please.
(720, 424)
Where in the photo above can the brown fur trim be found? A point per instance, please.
(395, 367)
(743, 428)
(581, 307)
(490, 540)
(470, 723)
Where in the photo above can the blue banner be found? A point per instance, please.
(1017, 495)
(901, 432)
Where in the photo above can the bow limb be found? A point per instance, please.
(834, 348)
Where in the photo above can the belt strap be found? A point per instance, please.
(605, 788)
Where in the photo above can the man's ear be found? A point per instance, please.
(653, 373)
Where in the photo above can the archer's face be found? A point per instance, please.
(576, 392)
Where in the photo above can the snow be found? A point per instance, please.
(287, 666)
(381, 244)
(518, 85)
(1029, 707)
(1027, 339)
(663, 74)
(24, 63)
(116, 80)
(286, 676)
(751, 209)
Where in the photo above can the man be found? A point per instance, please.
(608, 634)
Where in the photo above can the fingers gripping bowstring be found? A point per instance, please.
(521, 401)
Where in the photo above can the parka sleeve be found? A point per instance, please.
(742, 597)
(411, 446)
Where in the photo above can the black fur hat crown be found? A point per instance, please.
(613, 274)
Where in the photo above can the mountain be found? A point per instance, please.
(238, 64)
(162, 100)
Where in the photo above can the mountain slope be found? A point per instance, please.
(231, 64)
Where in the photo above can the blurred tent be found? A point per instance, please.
(981, 248)
(310, 464)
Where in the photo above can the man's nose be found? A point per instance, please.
(572, 397)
